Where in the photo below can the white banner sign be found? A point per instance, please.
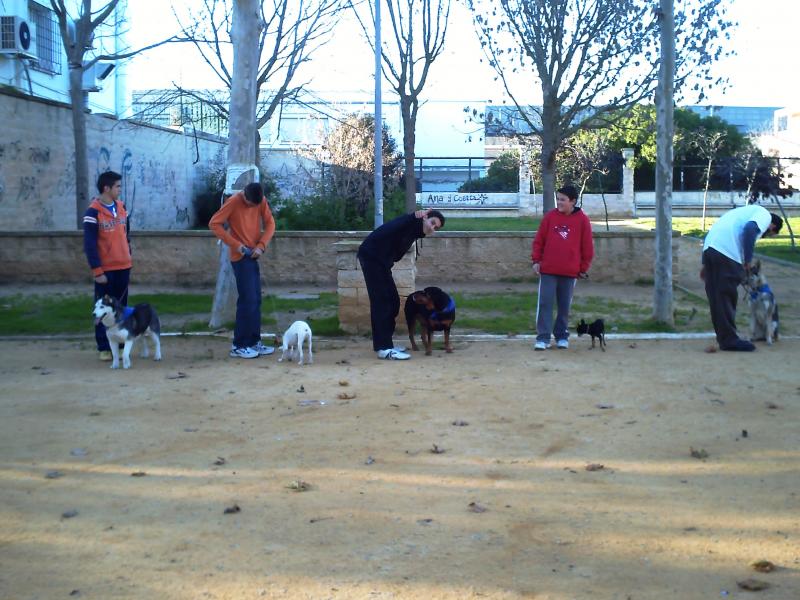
(467, 200)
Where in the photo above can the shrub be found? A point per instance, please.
(502, 176)
(207, 202)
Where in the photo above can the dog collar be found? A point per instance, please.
(451, 306)
(763, 289)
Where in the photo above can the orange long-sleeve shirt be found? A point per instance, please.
(244, 225)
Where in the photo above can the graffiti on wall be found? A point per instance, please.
(150, 211)
(25, 181)
(37, 174)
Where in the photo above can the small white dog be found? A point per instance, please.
(293, 340)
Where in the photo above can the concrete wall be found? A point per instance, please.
(190, 258)
(162, 169)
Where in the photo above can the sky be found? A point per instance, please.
(766, 40)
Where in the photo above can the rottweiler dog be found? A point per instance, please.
(434, 310)
(596, 329)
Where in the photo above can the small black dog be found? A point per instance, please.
(597, 329)
(434, 310)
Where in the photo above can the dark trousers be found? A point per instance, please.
(384, 301)
(722, 279)
(116, 287)
(558, 288)
(247, 331)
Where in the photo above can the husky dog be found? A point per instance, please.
(298, 333)
(124, 325)
(763, 308)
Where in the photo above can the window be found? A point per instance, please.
(48, 38)
(783, 123)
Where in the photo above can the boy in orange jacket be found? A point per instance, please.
(250, 229)
(107, 248)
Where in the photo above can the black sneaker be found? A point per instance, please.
(740, 346)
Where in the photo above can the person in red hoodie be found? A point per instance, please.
(107, 248)
(250, 228)
(562, 251)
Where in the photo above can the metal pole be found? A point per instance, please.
(378, 121)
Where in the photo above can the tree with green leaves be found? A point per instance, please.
(589, 59)
(768, 183)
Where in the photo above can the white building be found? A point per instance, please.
(33, 59)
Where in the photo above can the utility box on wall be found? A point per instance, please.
(17, 36)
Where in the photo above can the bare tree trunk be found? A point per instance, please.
(786, 220)
(548, 176)
(79, 136)
(242, 148)
(409, 140)
(662, 300)
(705, 192)
(603, 196)
(550, 144)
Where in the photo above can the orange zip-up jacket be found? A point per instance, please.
(105, 238)
(244, 225)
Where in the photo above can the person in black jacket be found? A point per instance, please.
(377, 254)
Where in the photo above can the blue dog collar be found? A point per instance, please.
(451, 306)
(764, 289)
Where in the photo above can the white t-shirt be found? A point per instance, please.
(725, 236)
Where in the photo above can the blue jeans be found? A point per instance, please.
(558, 288)
(116, 287)
(247, 332)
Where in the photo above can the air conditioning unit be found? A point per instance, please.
(94, 75)
(17, 36)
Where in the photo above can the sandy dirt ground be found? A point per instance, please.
(493, 472)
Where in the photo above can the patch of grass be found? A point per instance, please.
(776, 247)
(501, 314)
(326, 300)
(492, 224)
(43, 315)
(327, 326)
(175, 304)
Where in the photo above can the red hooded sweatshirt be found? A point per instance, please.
(563, 244)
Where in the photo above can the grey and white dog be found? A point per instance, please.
(124, 325)
(763, 307)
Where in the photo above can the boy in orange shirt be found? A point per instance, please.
(107, 248)
(250, 228)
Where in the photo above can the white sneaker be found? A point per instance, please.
(262, 349)
(540, 346)
(392, 354)
(400, 349)
(243, 353)
(562, 344)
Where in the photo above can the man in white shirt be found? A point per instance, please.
(727, 255)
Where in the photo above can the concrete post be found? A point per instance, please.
(628, 194)
(525, 202)
(352, 291)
